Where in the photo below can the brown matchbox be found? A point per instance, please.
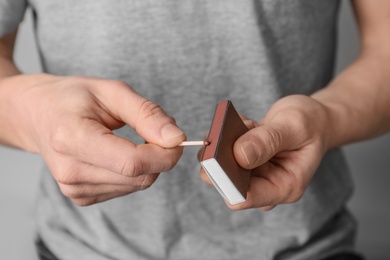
(230, 179)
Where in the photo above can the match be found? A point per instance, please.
(194, 143)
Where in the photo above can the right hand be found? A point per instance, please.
(69, 121)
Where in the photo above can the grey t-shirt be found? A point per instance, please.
(186, 56)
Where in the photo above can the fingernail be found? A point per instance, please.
(170, 132)
(251, 123)
(249, 150)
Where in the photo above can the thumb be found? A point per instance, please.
(147, 118)
(155, 126)
(259, 145)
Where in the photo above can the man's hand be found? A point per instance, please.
(69, 121)
(283, 151)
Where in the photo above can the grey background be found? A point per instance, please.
(369, 161)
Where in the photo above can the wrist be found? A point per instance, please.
(323, 119)
(8, 132)
(338, 130)
(16, 112)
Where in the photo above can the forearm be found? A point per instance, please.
(357, 101)
(8, 133)
(7, 66)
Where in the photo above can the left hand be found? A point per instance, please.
(283, 151)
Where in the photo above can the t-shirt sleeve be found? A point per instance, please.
(11, 14)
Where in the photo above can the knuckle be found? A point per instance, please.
(59, 141)
(131, 168)
(300, 122)
(147, 181)
(297, 193)
(295, 197)
(267, 208)
(170, 163)
(273, 140)
(83, 202)
(238, 207)
(119, 84)
(74, 81)
(295, 189)
(66, 176)
(71, 192)
(149, 109)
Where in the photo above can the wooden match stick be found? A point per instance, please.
(194, 143)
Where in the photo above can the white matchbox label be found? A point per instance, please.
(222, 182)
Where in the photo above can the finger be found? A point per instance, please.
(270, 185)
(147, 118)
(87, 201)
(267, 208)
(263, 197)
(71, 172)
(203, 175)
(260, 123)
(205, 178)
(258, 197)
(200, 153)
(89, 190)
(260, 144)
(250, 123)
(90, 142)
